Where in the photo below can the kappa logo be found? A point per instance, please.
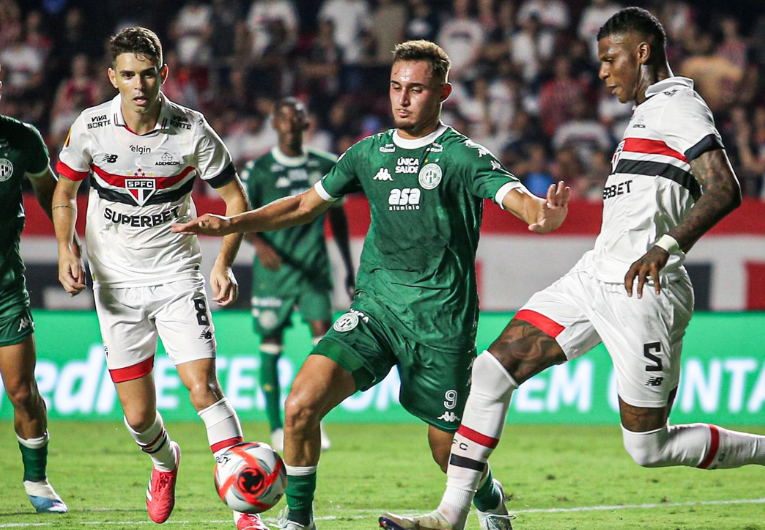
(449, 417)
(383, 174)
(24, 323)
(346, 323)
(430, 176)
(141, 188)
(481, 149)
(495, 165)
(6, 169)
(283, 182)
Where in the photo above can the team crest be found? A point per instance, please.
(346, 322)
(430, 176)
(141, 189)
(617, 154)
(6, 169)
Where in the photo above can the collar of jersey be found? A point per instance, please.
(666, 83)
(162, 120)
(289, 161)
(416, 143)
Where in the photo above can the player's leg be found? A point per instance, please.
(320, 385)
(647, 363)
(30, 420)
(316, 307)
(318, 329)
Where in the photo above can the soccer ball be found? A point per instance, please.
(250, 477)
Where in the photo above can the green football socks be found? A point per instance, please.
(269, 383)
(301, 486)
(487, 497)
(34, 455)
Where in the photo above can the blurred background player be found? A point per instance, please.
(416, 304)
(670, 183)
(22, 152)
(144, 153)
(291, 267)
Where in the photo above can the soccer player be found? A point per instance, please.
(23, 152)
(143, 152)
(291, 267)
(416, 301)
(670, 182)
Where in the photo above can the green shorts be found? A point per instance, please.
(272, 314)
(16, 326)
(434, 383)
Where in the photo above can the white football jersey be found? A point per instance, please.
(651, 188)
(140, 184)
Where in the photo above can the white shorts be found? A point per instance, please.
(132, 318)
(643, 336)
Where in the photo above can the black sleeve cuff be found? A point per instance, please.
(224, 177)
(709, 143)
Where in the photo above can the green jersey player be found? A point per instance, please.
(291, 268)
(416, 302)
(22, 152)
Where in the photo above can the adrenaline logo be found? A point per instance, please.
(167, 160)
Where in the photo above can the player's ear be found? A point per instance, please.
(643, 52)
(446, 91)
(112, 77)
(163, 71)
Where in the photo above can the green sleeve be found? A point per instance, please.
(249, 177)
(38, 159)
(485, 174)
(343, 178)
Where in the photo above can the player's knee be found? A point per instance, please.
(204, 393)
(23, 394)
(301, 411)
(647, 449)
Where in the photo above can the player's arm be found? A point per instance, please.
(222, 279)
(722, 195)
(71, 270)
(542, 215)
(339, 223)
(282, 213)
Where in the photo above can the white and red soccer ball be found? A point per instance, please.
(250, 477)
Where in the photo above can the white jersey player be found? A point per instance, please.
(143, 153)
(671, 181)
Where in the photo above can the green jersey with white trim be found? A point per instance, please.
(303, 249)
(417, 270)
(22, 151)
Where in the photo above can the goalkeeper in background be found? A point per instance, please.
(291, 268)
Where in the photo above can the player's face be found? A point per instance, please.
(619, 64)
(290, 122)
(138, 79)
(415, 98)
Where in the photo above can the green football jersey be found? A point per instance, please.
(22, 151)
(417, 269)
(305, 262)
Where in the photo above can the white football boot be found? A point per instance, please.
(432, 521)
(285, 524)
(44, 498)
(498, 518)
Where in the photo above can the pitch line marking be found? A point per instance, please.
(648, 506)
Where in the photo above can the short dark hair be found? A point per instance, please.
(137, 40)
(634, 20)
(289, 102)
(423, 50)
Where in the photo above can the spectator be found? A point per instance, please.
(552, 14)
(461, 37)
(223, 29)
(351, 19)
(262, 14)
(716, 77)
(593, 17)
(251, 139)
(589, 185)
(388, 22)
(583, 134)
(532, 46)
(423, 23)
(499, 40)
(10, 23)
(558, 95)
(535, 174)
(76, 93)
(191, 31)
(733, 47)
(321, 65)
(750, 145)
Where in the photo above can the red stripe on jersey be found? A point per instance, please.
(540, 321)
(118, 181)
(651, 147)
(714, 445)
(225, 444)
(71, 174)
(129, 373)
(477, 437)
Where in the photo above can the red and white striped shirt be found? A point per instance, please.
(140, 184)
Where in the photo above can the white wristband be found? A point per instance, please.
(668, 243)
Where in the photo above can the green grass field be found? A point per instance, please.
(558, 478)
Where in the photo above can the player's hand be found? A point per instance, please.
(554, 210)
(646, 267)
(207, 225)
(71, 272)
(224, 285)
(268, 256)
(350, 285)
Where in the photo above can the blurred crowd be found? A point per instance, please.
(525, 72)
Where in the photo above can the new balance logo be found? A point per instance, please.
(206, 335)
(383, 174)
(450, 417)
(24, 323)
(654, 381)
